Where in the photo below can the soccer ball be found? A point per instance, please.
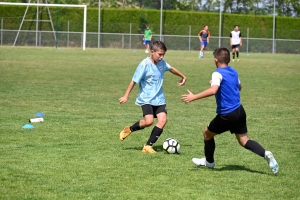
(171, 145)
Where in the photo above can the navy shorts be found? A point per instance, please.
(235, 46)
(146, 41)
(204, 43)
(153, 110)
(235, 122)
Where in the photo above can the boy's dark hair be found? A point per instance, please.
(222, 54)
(235, 26)
(158, 45)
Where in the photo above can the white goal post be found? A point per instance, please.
(57, 5)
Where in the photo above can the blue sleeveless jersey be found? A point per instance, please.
(228, 95)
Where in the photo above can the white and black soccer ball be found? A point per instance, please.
(171, 145)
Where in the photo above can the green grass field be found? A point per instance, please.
(76, 152)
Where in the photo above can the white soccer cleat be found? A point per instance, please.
(203, 162)
(272, 162)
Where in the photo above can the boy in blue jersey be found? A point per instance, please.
(150, 76)
(231, 116)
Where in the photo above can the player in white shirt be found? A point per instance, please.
(235, 42)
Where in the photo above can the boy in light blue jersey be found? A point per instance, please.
(150, 76)
(231, 116)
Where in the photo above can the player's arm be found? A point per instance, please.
(206, 93)
(230, 39)
(199, 35)
(208, 36)
(240, 85)
(176, 72)
(123, 99)
(215, 84)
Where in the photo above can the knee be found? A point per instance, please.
(162, 122)
(207, 135)
(148, 122)
(242, 139)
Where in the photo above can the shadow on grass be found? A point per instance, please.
(238, 168)
(231, 168)
(156, 148)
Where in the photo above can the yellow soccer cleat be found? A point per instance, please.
(125, 133)
(148, 149)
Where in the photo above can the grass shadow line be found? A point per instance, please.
(230, 168)
(157, 148)
(238, 168)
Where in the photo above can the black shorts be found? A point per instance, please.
(235, 122)
(235, 46)
(153, 110)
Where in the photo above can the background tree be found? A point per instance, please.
(254, 7)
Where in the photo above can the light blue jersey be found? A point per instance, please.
(150, 78)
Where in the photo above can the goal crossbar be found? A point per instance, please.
(57, 5)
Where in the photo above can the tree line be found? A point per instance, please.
(252, 7)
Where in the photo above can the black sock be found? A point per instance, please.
(136, 127)
(209, 150)
(255, 147)
(237, 54)
(156, 132)
(233, 55)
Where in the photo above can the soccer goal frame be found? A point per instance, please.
(57, 5)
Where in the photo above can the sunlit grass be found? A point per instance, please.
(76, 153)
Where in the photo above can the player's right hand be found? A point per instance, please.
(123, 100)
(186, 98)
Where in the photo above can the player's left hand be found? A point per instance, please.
(182, 82)
(187, 97)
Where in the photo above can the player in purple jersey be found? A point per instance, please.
(203, 36)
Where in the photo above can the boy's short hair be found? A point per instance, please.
(222, 54)
(158, 45)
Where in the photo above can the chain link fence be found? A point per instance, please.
(133, 40)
